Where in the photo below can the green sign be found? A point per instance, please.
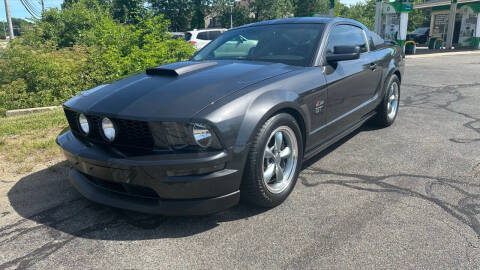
(406, 7)
(402, 6)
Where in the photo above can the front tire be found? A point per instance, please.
(274, 162)
(387, 110)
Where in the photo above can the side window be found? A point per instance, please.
(346, 35)
(214, 34)
(203, 35)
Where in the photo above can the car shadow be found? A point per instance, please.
(46, 197)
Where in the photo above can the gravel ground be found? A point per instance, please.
(407, 196)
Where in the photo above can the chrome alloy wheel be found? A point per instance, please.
(392, 102)
(280, 159)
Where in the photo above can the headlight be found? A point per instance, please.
(202, 136)
(108, 129)
(184, 136)
(83, 122)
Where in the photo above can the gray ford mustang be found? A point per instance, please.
(235, 122)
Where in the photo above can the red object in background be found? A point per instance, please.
(193, 42)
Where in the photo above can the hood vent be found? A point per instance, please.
(179, 68)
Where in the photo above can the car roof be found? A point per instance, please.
(207, 29)
(300, 20)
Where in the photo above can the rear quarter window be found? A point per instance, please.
(203, 35)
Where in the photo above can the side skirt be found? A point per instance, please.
(338, 137)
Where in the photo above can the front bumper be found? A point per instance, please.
(151, 206)
(151, 184)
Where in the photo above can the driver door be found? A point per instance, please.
(350, 83)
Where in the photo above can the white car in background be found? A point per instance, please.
(202, 37)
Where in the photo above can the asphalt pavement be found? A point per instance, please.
(407, 196)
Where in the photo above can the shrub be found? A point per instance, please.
(45, 76)
(51, 63)
(2, 112)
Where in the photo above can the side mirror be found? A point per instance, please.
(343, 53)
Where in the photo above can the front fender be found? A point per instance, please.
(238, 117)
(238, 120)
(265, 106)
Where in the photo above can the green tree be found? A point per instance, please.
(20, 26)
(363, 12)
(306, 8)
(63, 26)
(271, 9)
(178, 12)
(240, 14)
(88, 3)
(198, 17)
(128, 11)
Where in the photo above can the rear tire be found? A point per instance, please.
(387, 111)
(274, 162)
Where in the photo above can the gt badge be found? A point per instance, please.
(319, 106)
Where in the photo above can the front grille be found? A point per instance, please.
(137, 133)
(131, 133)
(127, 189)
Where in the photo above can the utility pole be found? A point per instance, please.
(231, 15)
(43, 5)
(9, 19)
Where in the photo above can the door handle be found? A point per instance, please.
(373, 66)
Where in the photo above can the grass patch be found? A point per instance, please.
(31, 123)
(27, 140)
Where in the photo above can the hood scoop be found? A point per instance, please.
(179, 68)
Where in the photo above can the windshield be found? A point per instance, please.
(420, 30)
(292, 44)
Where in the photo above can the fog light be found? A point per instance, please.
(202, 136)
(83, 122)
(108, 129)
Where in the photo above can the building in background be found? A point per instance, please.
(453, 24)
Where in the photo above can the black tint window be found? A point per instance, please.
(346, 35)
(203, 35)
(214, 34)
(188, 36)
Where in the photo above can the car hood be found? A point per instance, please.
(174, 91)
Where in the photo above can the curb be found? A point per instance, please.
(30, 110)
(441, 54)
